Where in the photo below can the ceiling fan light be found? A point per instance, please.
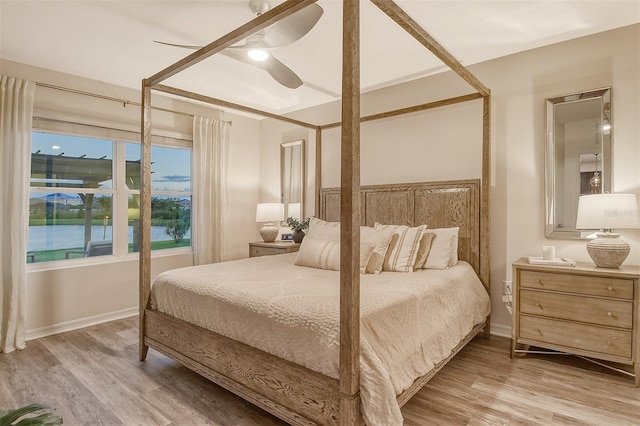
(258, 54)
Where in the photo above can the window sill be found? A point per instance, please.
(103, 260)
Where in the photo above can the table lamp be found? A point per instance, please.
(269, 212)
(607, 212)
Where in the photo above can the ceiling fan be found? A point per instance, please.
(256, 49)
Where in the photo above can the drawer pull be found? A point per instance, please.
(609, 314)
(538, 305)
(539, 331)
(541, 283)
(610, 288)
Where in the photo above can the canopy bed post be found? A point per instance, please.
(350, 218)
(318, 170)
(485, 191)
(145, 213)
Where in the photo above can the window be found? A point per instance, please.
(85, 192)
(170, 196)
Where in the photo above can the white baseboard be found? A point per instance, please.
(79, 323)
(501, 330)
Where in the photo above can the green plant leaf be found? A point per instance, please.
(46, 419)
(9, 417)
(13, 415)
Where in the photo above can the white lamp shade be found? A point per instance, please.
(269, 212)
(608, 211)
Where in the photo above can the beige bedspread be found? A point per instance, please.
(409, 321)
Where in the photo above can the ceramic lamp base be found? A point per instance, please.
(608, 250)
(269, 232)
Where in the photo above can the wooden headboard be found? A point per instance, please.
(437, 204)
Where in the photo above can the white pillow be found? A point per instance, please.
(403, 248)
(444, 249)
(325, 254)
(323, 230)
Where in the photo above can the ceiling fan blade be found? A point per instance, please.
(279, 71)
(184, 46)
(292, 28)
(282, 73)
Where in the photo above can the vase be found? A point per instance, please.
(608, 250)
(297, 236)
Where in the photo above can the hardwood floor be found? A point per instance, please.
(92, 377)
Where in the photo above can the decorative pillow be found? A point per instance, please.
(453, 260)
(323, 230)
(424, 249)
(380, 238)
(317, 253)
(444, 249)
(403, 248)
(325, 254)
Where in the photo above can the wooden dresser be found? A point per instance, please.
(582, 310)
(261, 248)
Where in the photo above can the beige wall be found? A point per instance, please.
(445, 144)
(60, 299)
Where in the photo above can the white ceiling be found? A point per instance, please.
(112, 41)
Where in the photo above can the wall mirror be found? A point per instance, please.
(292, 178)
(578, 157)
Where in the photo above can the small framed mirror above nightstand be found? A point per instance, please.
(292, 182)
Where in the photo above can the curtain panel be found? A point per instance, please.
(210, 160)
(16, 112)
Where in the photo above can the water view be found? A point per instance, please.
(72, 236)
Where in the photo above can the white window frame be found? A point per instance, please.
(119, 192)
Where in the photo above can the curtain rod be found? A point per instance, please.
(124, 102)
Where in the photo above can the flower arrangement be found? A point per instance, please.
(296, 225)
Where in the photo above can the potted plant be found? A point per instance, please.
(297, 227)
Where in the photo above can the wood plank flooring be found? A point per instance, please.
(92, 376)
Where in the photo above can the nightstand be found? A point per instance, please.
(582, 310)
(260, 248)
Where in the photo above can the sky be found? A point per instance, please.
(171, 167)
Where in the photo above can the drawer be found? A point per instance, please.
(265, 251)
(594, 310)
(576, 336)
(580, 284)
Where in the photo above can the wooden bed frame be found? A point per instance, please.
(289, 391)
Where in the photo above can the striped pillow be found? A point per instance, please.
(403, 248)
(325, 254)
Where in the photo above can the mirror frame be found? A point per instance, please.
(553, 231)
(284, 147)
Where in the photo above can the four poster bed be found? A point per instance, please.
(311, 345)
